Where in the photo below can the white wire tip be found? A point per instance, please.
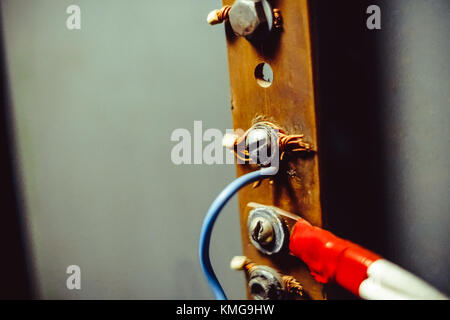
(229, 139)
(387, 281)
(212, 18)
(270, 171)
(238, 262)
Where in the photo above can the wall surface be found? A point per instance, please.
(384, 122)
(416, 117)
(94, 111)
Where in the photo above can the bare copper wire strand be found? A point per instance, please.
(222, 14)
(292, 285)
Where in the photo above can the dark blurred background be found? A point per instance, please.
(86, 118)
(384, 114)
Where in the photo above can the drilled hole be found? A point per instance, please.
(264, 75)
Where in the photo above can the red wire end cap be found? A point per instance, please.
(331, 258)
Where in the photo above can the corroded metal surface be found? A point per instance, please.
(289, 103)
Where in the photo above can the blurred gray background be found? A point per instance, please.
(94, 111)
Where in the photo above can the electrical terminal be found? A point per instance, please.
(266, 283)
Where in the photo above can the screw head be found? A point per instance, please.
(261, 231)
(262, 144)
(266, 230)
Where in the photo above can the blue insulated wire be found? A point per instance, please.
(210, 218)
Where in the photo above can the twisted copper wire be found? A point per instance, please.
(222, 14)
(292, 285)
(292, 143)
(286, 143)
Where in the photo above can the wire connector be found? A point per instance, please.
(269, 136)
(358, 270)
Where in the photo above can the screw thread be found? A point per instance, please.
(292, 285)
(218, 16)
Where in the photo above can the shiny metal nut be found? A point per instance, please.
(244, 18)
(265, 284)
(248, 16)
(262, 144)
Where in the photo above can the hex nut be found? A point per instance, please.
(247, 17)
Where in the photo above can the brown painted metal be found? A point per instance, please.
(289, 103)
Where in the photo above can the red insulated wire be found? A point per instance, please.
(331, 258)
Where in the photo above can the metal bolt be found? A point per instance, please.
(265, 283)
(246, 17)
(261, 144)
(267, 231)
(262, 231)
(258, 137)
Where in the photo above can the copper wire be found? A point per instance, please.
(222, 14)
(286, 143)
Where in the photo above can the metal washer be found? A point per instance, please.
(279, 229)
